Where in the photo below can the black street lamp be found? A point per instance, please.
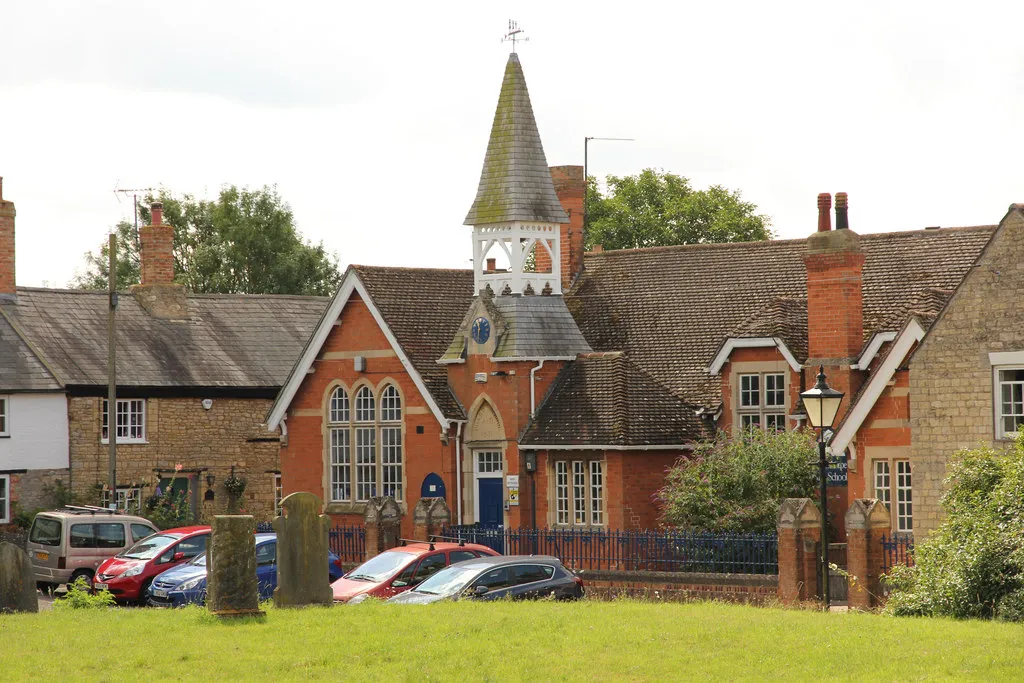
(822, 404)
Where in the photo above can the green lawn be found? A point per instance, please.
(505, 641)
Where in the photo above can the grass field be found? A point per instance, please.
(505, 641)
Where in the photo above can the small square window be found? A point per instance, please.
(130, 421)
(5, 416)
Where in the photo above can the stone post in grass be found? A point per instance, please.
(383, 525)
(866, 521)
(302, 573)
(17, 581)
(231, 588)
(799, 526)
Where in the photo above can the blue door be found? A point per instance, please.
(490, 502)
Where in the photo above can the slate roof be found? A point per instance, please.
(423, 307)
(670, 308)
(229, 340)
(603, 399)
(515, 184)
(20, 369)
(537, 326)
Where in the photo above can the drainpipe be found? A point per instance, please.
(458, 472)
(533, 390)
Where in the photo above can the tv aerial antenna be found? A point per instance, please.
(135, 201)
(514, 35)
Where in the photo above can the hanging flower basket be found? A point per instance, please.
(235, 486)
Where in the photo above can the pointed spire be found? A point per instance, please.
(515, 184)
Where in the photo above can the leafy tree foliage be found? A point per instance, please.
(972, 566)
(655, 208)
(736, 485)
(245, 241)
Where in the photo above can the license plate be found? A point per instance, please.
(160, 593)
(40, 555)
(100, 586)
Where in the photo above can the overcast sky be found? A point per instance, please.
(372, 118)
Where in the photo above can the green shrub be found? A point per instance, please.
(735, 485)
(972, 566)
(80, 596)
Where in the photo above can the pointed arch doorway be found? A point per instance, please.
(485, 442)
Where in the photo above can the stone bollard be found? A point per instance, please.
(866, 521)
(383, 525)
(17, 581)
(799, 526)
(231, 587)
(430, 516)
(302, 577)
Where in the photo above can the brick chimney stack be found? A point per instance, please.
(835, 311)
(7, 280)
(570, 186)
(157, 241)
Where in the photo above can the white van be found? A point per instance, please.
(72, 542)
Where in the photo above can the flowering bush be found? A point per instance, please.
(730, 485)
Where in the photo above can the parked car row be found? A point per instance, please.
(127, 556)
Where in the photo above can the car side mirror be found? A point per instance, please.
(178, 556)
(398, 583)
(481, 590)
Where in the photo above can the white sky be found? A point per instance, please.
(372, 118)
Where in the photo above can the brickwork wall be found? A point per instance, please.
(157, 257)
(680, 587)
(752, 361)
(303, 460)
(181, 431)
(570, 188)
(7, 280)
(951, 384)
(885, 434)
(834, 302)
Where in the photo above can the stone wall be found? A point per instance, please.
(29, 489)
(179, 431)
(680, 586)
(951, 383)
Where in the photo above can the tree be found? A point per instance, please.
(736, 485)
(245, 241)
(655, 208)
(972, 566)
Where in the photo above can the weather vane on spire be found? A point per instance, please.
(513, 34)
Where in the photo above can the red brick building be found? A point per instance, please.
(558, 395)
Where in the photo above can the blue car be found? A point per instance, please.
(186, 583)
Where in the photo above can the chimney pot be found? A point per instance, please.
(156, 210)
(492, 265)
(824, 219)
(842, 219)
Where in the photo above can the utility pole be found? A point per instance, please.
(112, 368)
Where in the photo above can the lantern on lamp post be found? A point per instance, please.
(822, 404)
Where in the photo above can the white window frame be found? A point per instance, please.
(5, 499)
(5, 416)
(882, 472)
(998, 386)
(365, 443)
(278, 487)
(579, 493)
(126, 495)
(904, 496)
(762, 412)
(104, 419)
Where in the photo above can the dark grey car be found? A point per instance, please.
(519, 577)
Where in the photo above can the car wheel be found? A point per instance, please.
(46, 587)
(81, 574)
(143, 600)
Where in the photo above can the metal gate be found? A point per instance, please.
(838, 585)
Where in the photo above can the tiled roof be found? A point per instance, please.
(20, 369)
(229, 340)
(603, 399)
(537, 327)
(670, 308)
(515, 183)
(423, 307)
(784, 318)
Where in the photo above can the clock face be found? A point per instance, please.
(481, 330)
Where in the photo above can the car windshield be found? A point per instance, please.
(149, 548)
(380, 568)
(448, 581)
(199, 560)
(45, 531)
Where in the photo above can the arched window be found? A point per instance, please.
(391, 442)
(376, 437)
(340, 446)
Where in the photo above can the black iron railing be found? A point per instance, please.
(664, 551)
(897, 549)
(347, 542)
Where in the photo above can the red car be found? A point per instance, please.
(399, 569)
(127, 575)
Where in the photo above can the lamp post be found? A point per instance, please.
(822, 404)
